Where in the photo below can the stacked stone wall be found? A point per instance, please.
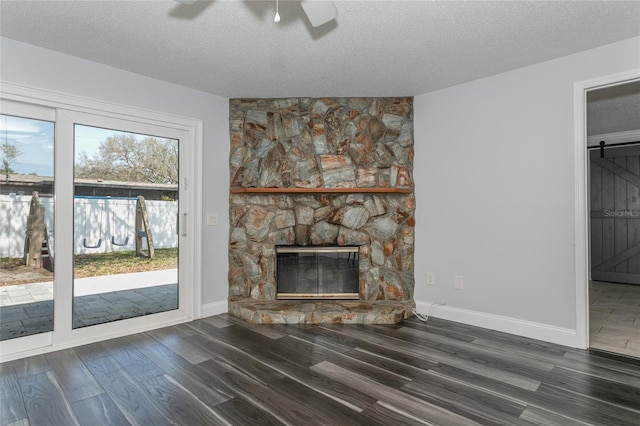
(322, 143)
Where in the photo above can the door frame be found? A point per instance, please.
(67, 107)
(581, 195)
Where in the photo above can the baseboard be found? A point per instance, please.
(214, 308)
(533, 330)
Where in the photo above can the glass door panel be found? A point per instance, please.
(116, 221)
(26, 226)
(125, 225)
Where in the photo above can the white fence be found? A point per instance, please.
(101, 225)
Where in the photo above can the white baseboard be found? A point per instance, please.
(533, 330)
(214, 308)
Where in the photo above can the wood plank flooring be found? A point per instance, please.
(222, 371)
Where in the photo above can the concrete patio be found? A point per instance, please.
(28, 309)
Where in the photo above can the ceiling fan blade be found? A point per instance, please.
(319, 11)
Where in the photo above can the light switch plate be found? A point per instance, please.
(212, 219)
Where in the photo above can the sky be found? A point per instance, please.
(35, 140)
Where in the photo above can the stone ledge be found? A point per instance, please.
(322, 190)
(321, 312)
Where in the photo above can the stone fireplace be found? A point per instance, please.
(331, 172)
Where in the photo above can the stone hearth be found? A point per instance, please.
(353, 144)
(321, 312)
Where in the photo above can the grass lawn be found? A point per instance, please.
(123, 262)
(13, 272)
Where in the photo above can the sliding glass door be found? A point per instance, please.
(27, 206)
(126, 209)
(119, 245)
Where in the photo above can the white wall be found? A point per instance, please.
(495, 194)
(46, 69)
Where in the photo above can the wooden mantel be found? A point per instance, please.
(370, 190)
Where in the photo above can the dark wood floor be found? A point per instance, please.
(222, 371)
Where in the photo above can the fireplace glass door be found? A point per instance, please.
(317, 272)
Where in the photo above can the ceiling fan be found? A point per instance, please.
(319, 12)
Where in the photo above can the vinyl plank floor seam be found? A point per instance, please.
(602, 403)
(223, 371)
(452, 358)
(354, 399)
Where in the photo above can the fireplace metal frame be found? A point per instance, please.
(317, 249)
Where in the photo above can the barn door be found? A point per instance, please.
(615, 214)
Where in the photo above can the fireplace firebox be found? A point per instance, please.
(317, 272)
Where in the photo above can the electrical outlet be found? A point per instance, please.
(431, 278)
(459, 282)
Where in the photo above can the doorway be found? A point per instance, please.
(126, 210)
(86, 232)
(613, 144)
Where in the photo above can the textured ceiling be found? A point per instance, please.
(613, 109)
(374, 48)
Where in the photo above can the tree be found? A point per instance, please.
(10, 152)
(124, 158)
